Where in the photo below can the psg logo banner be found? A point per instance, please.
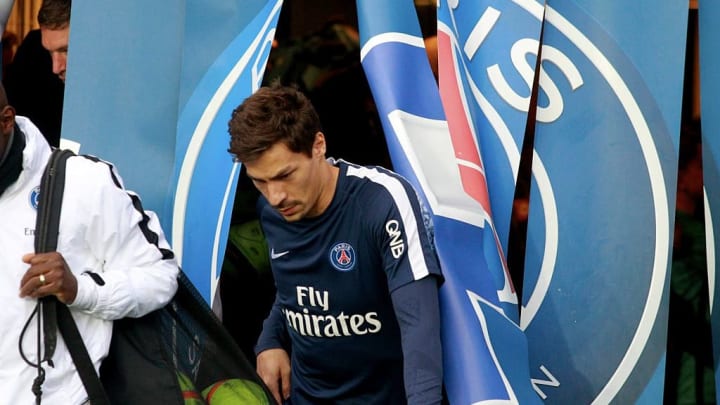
(484, 351)
(154, 95)
(602, 199)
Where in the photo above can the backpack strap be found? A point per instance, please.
(52, 186)
(55, 314)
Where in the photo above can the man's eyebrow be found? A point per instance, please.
(282, 173)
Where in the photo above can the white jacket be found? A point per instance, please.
(101, 231)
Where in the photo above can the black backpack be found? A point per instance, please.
(178, 354)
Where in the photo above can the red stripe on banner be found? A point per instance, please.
(463, 141)
(472, 172)
(475, 184)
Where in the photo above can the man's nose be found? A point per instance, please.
(276, 194)
(58, 63)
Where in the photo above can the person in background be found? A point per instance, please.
(112, 261)
(356, 314)
(54, 20)
(35, 79)
(33, 89)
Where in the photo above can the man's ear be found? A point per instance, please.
(7, 119)
(319, 146)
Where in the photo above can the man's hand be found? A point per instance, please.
(273, 366)
(48, 274)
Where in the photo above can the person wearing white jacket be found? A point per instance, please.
(112, 261)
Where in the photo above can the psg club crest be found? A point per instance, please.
(628, 141)
(342, 256)
(35, 197)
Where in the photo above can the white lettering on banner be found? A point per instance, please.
(397, 245)
(478, 303)
(480, 31)
(550, 382)
(490, 18)
(519, 52)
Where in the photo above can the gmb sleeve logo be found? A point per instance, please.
(397, 244)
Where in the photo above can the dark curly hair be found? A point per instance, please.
(273, 114)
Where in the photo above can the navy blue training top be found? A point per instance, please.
(334, 274)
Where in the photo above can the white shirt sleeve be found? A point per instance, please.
(111, 236)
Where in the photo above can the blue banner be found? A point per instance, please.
(484, 351)
(709, 32)
(153, 94)
(602, 202)
(498, 45)
(122, 86)
(205, 175)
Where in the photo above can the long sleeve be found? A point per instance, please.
(123, 245)
(418, 313)
(274, 333)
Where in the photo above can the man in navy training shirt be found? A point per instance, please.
(356, 274)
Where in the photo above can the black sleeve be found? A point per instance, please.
(274, 333)
(418, 313)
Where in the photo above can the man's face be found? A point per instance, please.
(293, 183)
(56, 42)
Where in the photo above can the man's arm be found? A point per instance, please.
(274, 333)
(413, 274)
(417, 310)
(273, 362)
(120, 257)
